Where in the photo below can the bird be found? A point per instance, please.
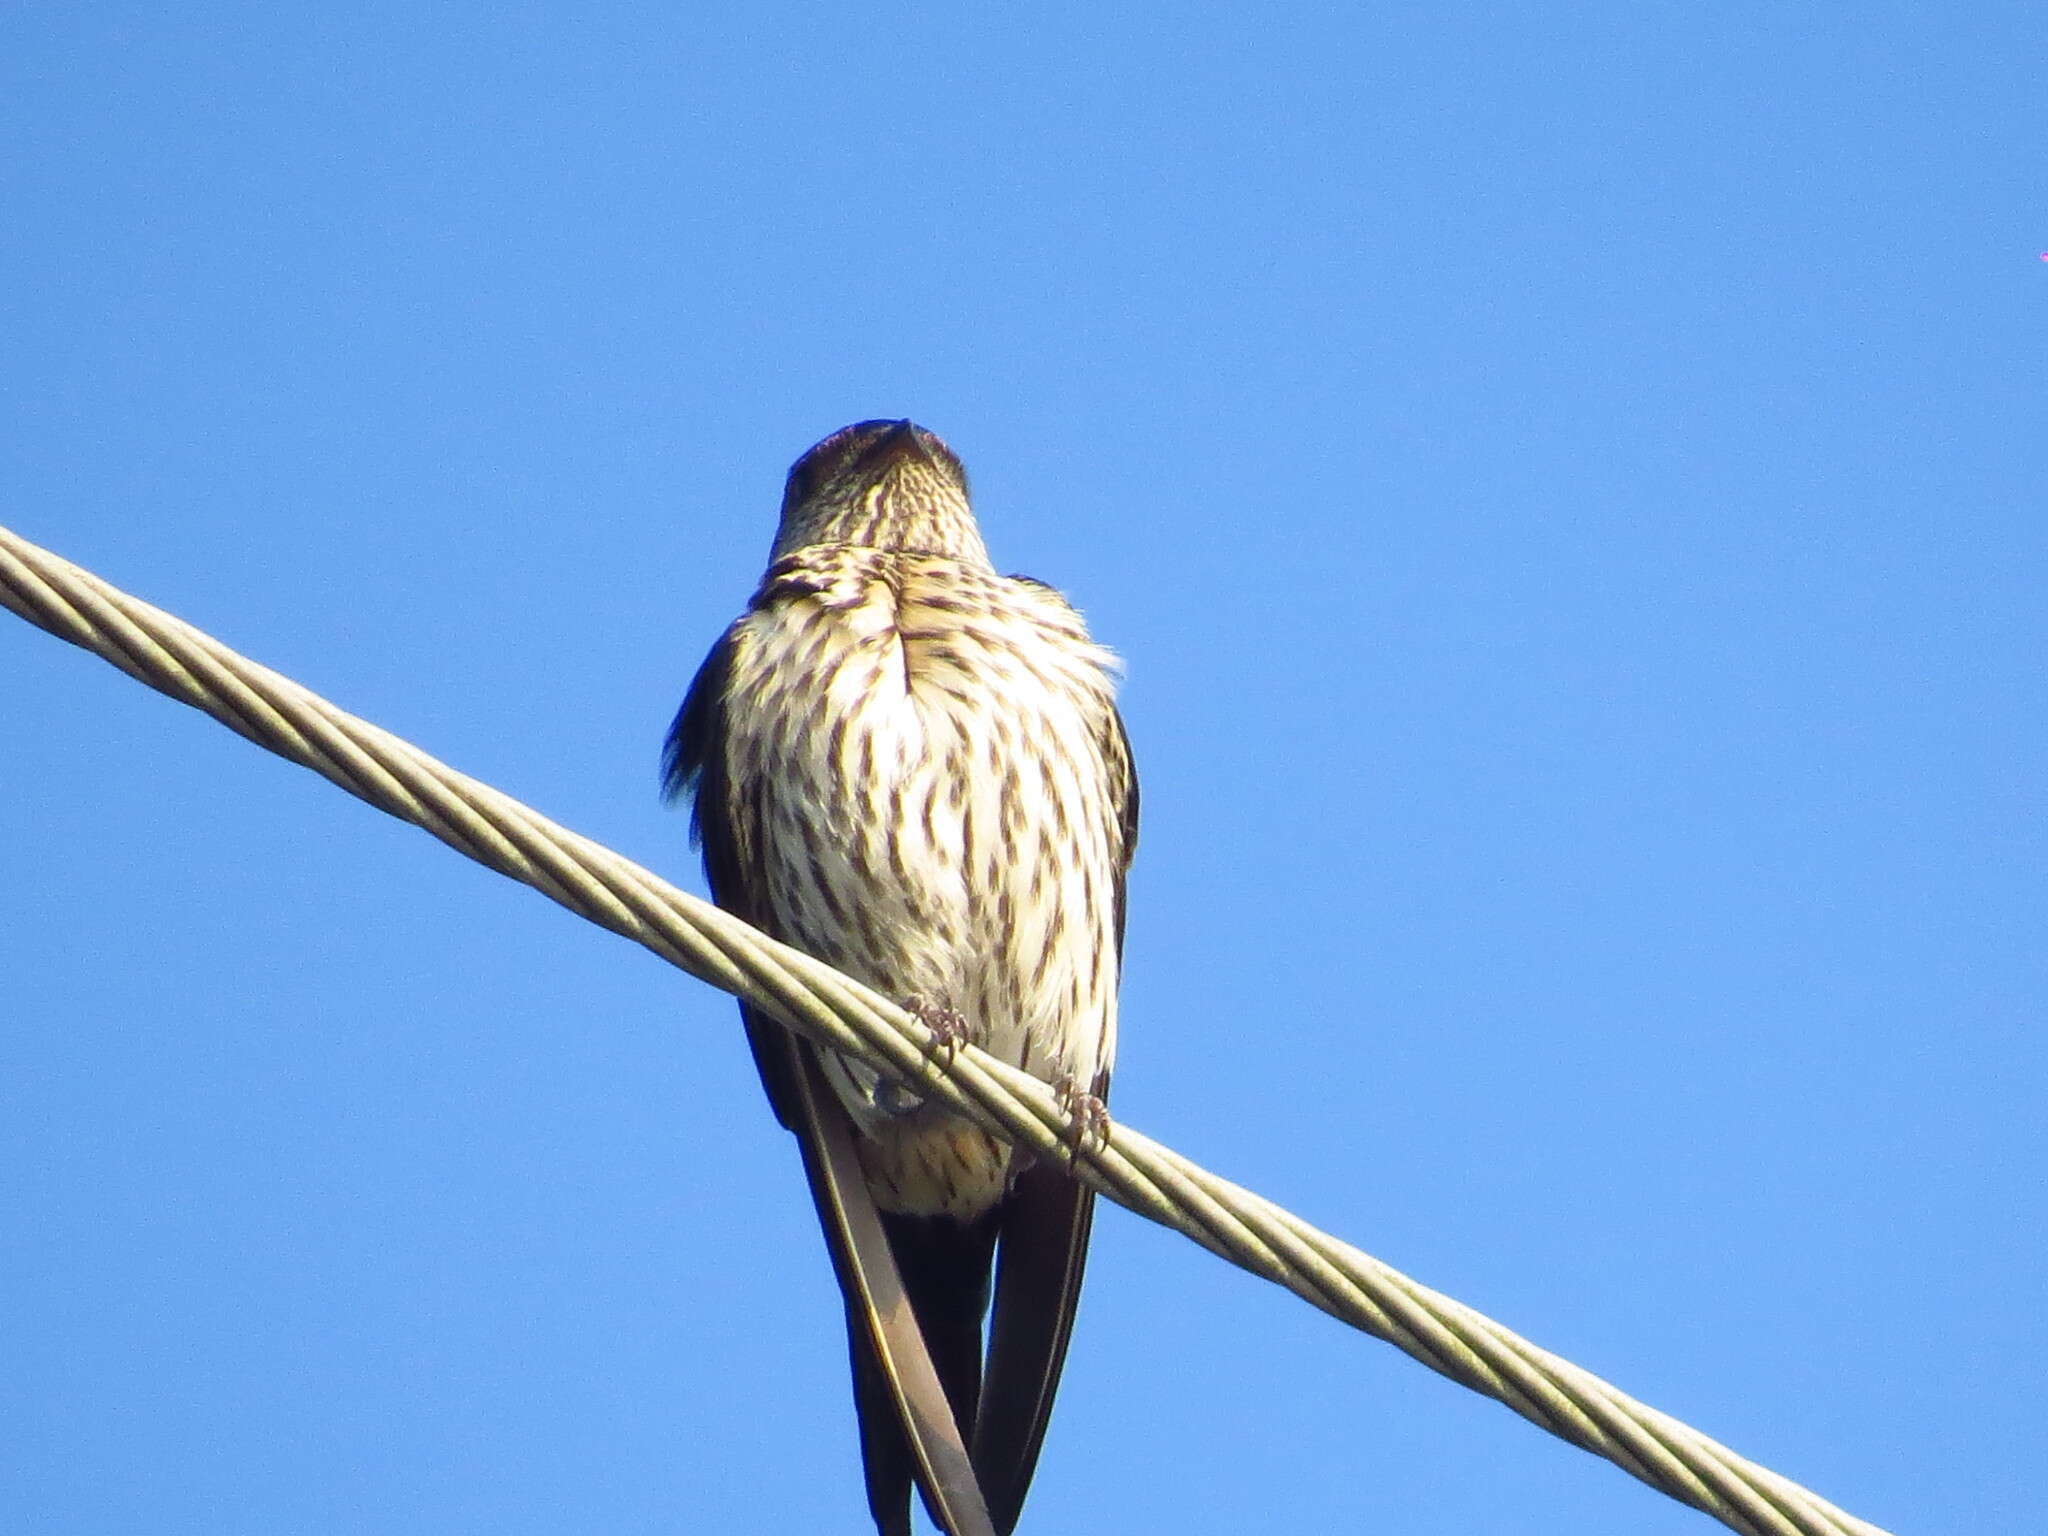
(913, 768)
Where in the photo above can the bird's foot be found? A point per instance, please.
(1087, 1113)
(948, 1025)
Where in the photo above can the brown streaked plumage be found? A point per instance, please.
(913, 768)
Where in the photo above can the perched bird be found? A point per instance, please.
(912, 768)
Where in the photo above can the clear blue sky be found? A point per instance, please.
(1567, 482)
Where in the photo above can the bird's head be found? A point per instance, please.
(886, 484)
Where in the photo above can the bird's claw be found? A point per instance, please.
(948, 1025)
(1087, 1114)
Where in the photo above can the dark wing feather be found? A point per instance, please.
(693, 759)
(696, 736)
(1043, 1250)
(1123, 785)
(908, 1426)
(906, 1419)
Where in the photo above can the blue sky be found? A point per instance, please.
(1566, 482)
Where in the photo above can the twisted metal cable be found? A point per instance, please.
(838, 1012)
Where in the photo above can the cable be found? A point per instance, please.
(836, 1011)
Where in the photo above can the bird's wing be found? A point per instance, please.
(907, 1426)
(1042, 1249)
(1123, 781)
(907, 1423)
